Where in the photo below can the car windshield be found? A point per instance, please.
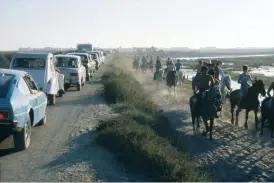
(5, 81)
(29, 63)
(84, 58)
(94, 56)
(66, 62)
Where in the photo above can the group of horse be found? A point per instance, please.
(219, 93)
(216, 96)
(144, 66)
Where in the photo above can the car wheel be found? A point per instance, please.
(60, 93)
(44, 120)
(21, 139)
(66, 86)
(52, 99)
(88, 77)
(79, 86)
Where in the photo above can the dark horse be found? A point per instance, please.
(250, 101)
(267, 115)
(171, 81)
(207, 110)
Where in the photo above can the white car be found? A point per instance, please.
(42, 68)
(73, 69)
(96, 57)
(101, 56)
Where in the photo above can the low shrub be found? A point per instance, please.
(140, 135)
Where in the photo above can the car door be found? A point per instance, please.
(37, 99)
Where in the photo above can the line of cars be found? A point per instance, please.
(33, 81)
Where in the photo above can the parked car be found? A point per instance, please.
(22, 105)
(89, 64)
(96, 57)
(42, 68)
(101, 57)
(72, 68)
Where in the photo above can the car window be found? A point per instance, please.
(30, 81)
(23, 87)
(84, 58)
(29, 63)
(5, 82)
(66, 62)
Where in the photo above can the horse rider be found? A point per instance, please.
(170, 65)
(158, 66)
(203, 82)
(151, 62)
(243, 80)
(144, 62)
(178, 65)
(219, 73)
(198, 67)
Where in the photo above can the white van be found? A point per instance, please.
(42, 68)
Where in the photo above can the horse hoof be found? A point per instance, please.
(246, 127)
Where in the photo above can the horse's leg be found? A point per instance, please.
(246, 118)
(262, 124)
(232, 107)
(206, 126)
(237, 116)
(256, 119)
(211, 128)
(193, 118)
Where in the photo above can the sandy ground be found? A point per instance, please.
(235, 154)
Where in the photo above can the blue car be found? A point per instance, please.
(22, 105)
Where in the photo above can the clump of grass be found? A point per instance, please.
(140, 135)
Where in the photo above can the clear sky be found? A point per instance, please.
(112, 23)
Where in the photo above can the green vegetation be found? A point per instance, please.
(140, 136)
(5, 58)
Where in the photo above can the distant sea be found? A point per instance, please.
(222, 56)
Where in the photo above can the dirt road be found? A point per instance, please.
(64, 149)
(235, 154)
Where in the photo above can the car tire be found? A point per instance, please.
(88, 78)
(79, 86)
(44, 120)
(21, 139)
(60, 93)
(52, 99)
(66, 86)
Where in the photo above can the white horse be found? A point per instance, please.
(225, 87)
(180, 77)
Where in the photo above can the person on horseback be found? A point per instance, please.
(243, 80)
(144, 63)
(203, 82)
(178, 65)
(151, 62)
(198, 67)
(158, 66)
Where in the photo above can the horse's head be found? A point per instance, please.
(227, 81)
(259, 86)
(214, 91)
